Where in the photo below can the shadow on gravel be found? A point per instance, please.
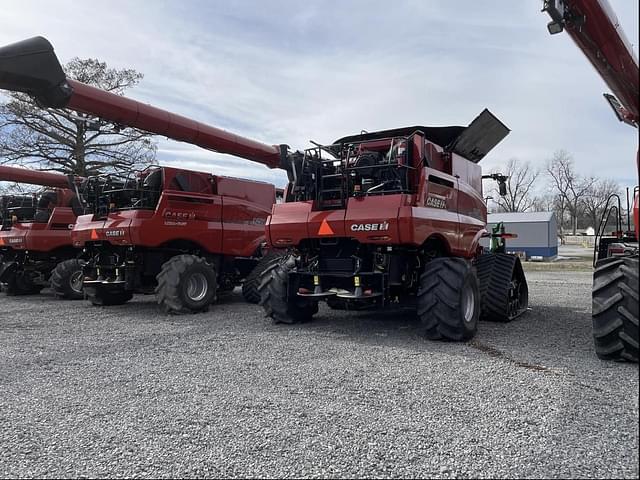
(542, 340)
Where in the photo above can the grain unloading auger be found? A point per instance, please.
(31, 67)
(391, 217)
(35, 237)
(185, 235)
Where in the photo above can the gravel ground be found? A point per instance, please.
(127, 391)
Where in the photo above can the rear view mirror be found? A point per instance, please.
(555, 27)
(502, 187)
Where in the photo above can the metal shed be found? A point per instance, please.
(537, 233)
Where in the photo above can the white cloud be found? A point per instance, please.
(292, 71)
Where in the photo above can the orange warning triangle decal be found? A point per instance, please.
(94, 235)
(325, 228)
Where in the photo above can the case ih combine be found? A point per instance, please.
(392, 217)
(35, 237)
(594, 28)
(184, 234)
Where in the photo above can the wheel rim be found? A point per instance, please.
(468, 304)
(197, 287)
(75, 282)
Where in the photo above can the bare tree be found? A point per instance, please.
(596, 198)
(569, 187)
(70, 142)
(544, 203)
(521, 179)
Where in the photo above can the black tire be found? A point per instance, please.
(251, 285)
(274, 299)
(504, 293)
(186, 284)
(106, 297)
(448, 300)
(66, 280)
(20, 284)
(615, 308)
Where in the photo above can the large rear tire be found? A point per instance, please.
(448, 300)
(275, 300)
(251, 285)
(615, 308)
(504, 293)
(186, 284)
(66, 280)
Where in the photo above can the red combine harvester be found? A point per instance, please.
(185, 235)
(594, 28)
(391, 217)
(394, 218)
(35, 237)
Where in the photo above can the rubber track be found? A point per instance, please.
(615, 308)
(495, 272)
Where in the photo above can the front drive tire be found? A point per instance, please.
(186, 284)
(21, 284)
(273, 288)
(449, 300)
(251, 285)
(615, 308)
(66, 280)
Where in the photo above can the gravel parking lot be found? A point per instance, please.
(127, 391)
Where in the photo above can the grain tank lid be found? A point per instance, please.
(472, 142)
(480, 137)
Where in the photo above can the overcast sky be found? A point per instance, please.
(290, 71)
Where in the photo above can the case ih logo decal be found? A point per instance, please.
(370, 227)
(171, 215)
(436, 202)
(114, 233)
(15, 240)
